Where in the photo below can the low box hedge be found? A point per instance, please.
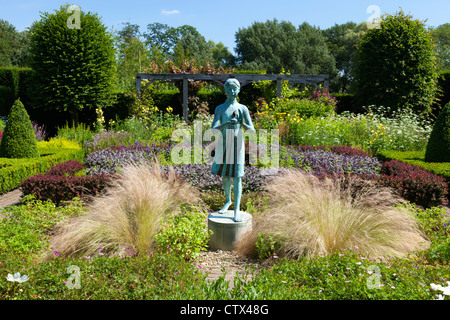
(13, 171)
(417, 158)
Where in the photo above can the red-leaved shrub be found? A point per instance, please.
(59, 183)
(69, 167)
(63, 188)
(414, 183)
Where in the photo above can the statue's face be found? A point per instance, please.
(232, 91)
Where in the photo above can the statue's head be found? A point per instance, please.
(232, 86)
(232, 82)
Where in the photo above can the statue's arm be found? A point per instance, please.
(217, 121)
(246, 121)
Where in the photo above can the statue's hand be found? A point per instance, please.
(233, 121)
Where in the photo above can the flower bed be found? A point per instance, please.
(201, 177)
(414, 183)
(335, 160)
(109, 160)
(59, 183)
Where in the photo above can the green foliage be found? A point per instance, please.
(274, 45)
(341, 41)
(444, 85)
(432, 221)
(438, 147)
(184, 233)
(436, 225)
(9, 77)
(441, 38)
(265, 246)
(133, 277)
(26, 228)
(75, 67)
(417, 158)
(6, 100)
(13, 171)
(133, 56)
(19, 139)
(80, 134)
(342, 276)
(372, 132)
(14, 45)
(439, 252)
(395, 65)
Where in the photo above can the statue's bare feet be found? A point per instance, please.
(237, 217)
(225, 207)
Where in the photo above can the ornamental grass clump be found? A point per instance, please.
(128, 215)
(307, 216)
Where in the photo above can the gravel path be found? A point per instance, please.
(214, 263)
(11, 198)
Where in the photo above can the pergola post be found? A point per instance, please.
(138, 86)
(279, 87)
(185, 99)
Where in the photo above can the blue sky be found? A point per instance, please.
(220, 20)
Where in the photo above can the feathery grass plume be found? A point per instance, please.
(128, 215)
(308, 215)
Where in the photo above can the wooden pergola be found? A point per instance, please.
(221, 78)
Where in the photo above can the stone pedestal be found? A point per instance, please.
(227, 232)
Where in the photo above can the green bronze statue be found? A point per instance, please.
(229, 159)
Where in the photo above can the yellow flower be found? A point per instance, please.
(169, 109)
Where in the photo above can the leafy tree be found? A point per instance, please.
(221, 55)
(441, 38)
(165, 37)
(14, 46)
(8, 42)
(19, 139)
(274, 45)
(395, 65)
(129, 32)
(75, 66)
(341, 41)
(133, 56)
(194, 48)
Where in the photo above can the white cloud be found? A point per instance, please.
(169, 12)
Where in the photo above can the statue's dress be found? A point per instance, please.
(229, 158)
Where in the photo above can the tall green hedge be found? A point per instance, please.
(438, 147)
(6, 100)
(16, 80)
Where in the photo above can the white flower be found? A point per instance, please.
(436, 286)
(16, 277)
(445, 290)
(440, 297)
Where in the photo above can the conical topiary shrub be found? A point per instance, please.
(438, 148)
(19, 140)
